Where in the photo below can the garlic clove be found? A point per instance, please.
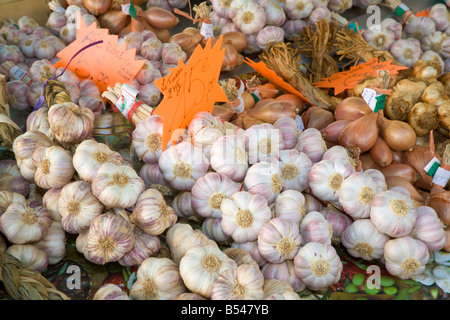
(290, 205)
(264, 178)
(54, 243)
(315, 228)
(7, 198)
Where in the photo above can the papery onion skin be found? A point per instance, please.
(361, 133)
(418, 158)
(399, 135)
(331, 132)
(381, 153)
(401, 170)
(97, 7)
(351, 108)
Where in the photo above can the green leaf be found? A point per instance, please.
(403, 294)
(360, 265)
(414, 289)
(63, 269)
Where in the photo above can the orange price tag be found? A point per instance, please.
(349, 79)
(189, 89)
(106, 63)
(423, 13)
(277, 81)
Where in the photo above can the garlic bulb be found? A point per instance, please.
(81, 241)
(268, 35)
(209, 191)
(275, 289)
(117, 186)
(37, 120)
(275, 15)
(318, 265)
(182, 204)
(393, 213)
(22, 224)
(363, 240)
(17, 94)
(326, 178)
(54, 243)
(250, 17)
(295, 167)
(182, 164)
(90, 155)
(145, 245)
(151, 49)
(279, 240)
(405, 257)
(394, 26)
(54, 167)
(290, 205)
(205, 129)
(252, 248)
(379, 179)
(50, 201)
(340, 6)
(110, 291)
(262, 142)
(243, 215)
(154, 179)
(406, 51)
(11, 179)
(382, 39)
(157, 279)
(7, 198)
(428, 228)
(288, 130)
(441, 17)
(338, 221)
(201, 266)
(228, 156)
(29, 256)
(78, 206)
(69, 123)
(152, 214)
(356, 194)
(243, 283)
(264, 179)
(212, 228)
(312, 203)
(419, 27)
(284, 271)
(298, 9)
(437, 41)
(317, 14)
(240, 256)
(315, 228)
(312, 144)
(110, 237)
(147, 139)
(41, 66)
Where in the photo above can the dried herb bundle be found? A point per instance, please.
(9, 130)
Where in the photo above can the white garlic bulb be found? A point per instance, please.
(379, 179)
(338, 221)
(157, 279)
(147, 139)
(268, 35)
(275, 289)
(78, 206)
(405, 257)
(204, 130)
(145, 246)
(22, 224)
(363, 240)
(394, 26)
(212, 228)
(279, 240)
(182, 164)
(54, 243)
(240, 256)
(428, 228)
(312, 144)
(441, 16)
(7, 198)
(264, 178)
(275, 15)
(252, 248)
(110, 237)
(50, 201)
(295, 167)
(201, 266)
(152, 214)
(81, 241)
(182, 204)
(318, 265)
(298, 9)
(419, 27)
(29, 256)
(154, 179)
(393, 213)
(250, 17)
(284, 271)
(315, 228)
(209, 191)
(288, 130)
(262, 142)
(382, 38)
(290, 205)
(110, 291)
(243, 283)
(407, 51)
(326, 177)
(117, 186)
(90, 155)
(243, 215)
(11, 179)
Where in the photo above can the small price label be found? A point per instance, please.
(207, 30)
(127, 99)
(400, 10)
(374, 100)
(432, 166)
(441, 177)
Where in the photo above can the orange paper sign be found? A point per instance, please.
(277, 81)
(106, 63)
(423, 13)
(190, 88)
(349, 79)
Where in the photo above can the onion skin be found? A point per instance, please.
(222, 111)
(270, 110)
(367, 162)
(398, 156)
(361, 133)
(317, 117)
(401, 170)
(399, 135)
(331, 132)
(351, 108)
(418, 158)
(114, 21)
(97, 7)
(236, 39)
(423, 118)
(381, 153)
(393, 181)
(439, 201)
(447, 239)
(185, 40)
(159, 18)
(230, 58)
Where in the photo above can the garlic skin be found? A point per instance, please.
(315, 228)
(110, 291)
(419, 27)
(182, 204)
(37, 120)
(243, 283)
(262, 142)
(89, 157)
(212, 228)
(338, 221)
(264, 178)
(252, 248)
(295, 167)
(428, 229)
(356, 194)
(437, 41)
(379, 179)
(275, 15)
(250, 17)
(209, 191)
(393, 213)
(405, 257)
(268, 35)
(363, 240)
(275, 289)
(7, 198)
(284, 271)
(288, 130)
(298, 9)
(110, 237)
(54, 243)
(326, 178)
(290, 205)
(11, 179)
(279, 240)
(318, 265)
(147, 139)
(382, 39)
(154, 179)
(50, 202)
(243, 215)
(312, 203)
(407, 51)
(394, 26)
(240, 256)
(157, 279)
(441, 17)
(78, 206)
(117, 186)
(29, 256)
(152, 214)
(17, 94)
(312, 144)
(54, 167)
(182, 164)
(201, 266)
(339, 6)
(22, 224)
(205, 129)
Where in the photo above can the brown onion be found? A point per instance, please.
(97, 7)
(270, 110)
(361, 133)
(381, 153)
(398, 105)
(439, 201)
(367, 162)
(185, 40)
(401, 170)
(222, 111)
(423, 118)
(237, 39)
(230, 58)
(393, 181)
(398, 156)
(331, 132)
(317, 117)
(114, 21)
(418, 158)
(159, 18)
(351, 108)
(398, 134)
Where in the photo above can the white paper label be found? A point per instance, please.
(404, 7)
(299, 121)
(127, 99)
(126, 8)
(441, 177)
(369, 96)
(431, 164)
(17, 73)
(207, 30)
(241, 107)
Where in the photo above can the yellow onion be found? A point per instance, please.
(351, 108)
(230, 58)
(423, 118)
(97, 7)
(114, 21)
(381, 153)
(270, 110)
(361, 133)
(398, 134)
(237, 39)
(317, 117)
